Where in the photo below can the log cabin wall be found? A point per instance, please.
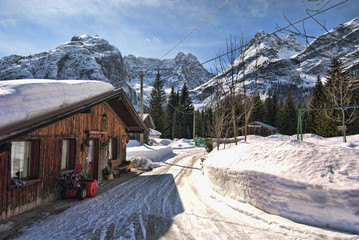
(80, 128)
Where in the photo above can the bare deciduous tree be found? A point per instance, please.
(340, 93)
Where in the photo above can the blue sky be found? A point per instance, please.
(149, 28)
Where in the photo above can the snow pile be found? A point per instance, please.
(154, 153)
(154, 132)
(159, 142)
(25, 99)
(143, 163)
(133, 143)
(182, 144)
(314, 182)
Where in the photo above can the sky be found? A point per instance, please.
(149, 28)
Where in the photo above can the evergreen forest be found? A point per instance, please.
(174, 117)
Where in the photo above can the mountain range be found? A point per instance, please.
(94, 58)
(280, 63)
(269, 62)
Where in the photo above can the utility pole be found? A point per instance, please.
(141, 107)
(194, 126)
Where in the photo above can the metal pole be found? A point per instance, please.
(141, 107)
(301, 111)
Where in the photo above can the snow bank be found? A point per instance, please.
(25, 99)
(143, 163)
(133, 143)
(182, 144)
(154, 153)
(314, 182)
(159, 142)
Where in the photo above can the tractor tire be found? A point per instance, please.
(82, 193)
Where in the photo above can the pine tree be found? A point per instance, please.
(287, 117)
(271, 109)
(186, 110)
(199, 124)
(316, 121)
(170, 112)
(156, 104)
(258, 113)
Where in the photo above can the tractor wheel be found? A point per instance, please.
(82, 193)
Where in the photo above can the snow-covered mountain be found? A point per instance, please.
(342, 41)
(285, 65)
(276, 62)
(94, 58)
(183, 69)
(172, 71)
(84, 57)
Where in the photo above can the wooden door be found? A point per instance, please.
(93, 158)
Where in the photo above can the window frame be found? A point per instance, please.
(33, 162)
(112, 148)
(70, 155)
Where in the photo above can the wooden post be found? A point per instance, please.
(194, 126)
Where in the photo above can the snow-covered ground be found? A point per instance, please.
(147, 157)
(28, 98)
(314, 182)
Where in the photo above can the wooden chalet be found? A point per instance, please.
(93, 133)
(259, 128)
(147, 119)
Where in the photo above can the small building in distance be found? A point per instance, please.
(147, 119)
(259, 128)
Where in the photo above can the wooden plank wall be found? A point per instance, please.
(14, 201)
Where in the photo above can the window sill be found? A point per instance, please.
(65, 171)
(29, 182)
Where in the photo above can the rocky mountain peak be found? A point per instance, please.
(342, 41)
(281, 64)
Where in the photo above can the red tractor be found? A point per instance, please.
(76, 184)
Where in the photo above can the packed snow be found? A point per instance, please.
(150, 152)
(147, 157)
(313, 182)
(25, 99)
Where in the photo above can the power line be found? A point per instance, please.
(185, 36)
(278, 30)
(241, 47)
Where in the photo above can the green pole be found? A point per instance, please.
(301, 112)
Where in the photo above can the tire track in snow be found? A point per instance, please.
(164, 204)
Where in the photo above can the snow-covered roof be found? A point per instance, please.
(265, 125)
(26, 99)
(154, 132)
(147, 115)
(27, 105)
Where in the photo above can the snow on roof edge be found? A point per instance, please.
(28, 98)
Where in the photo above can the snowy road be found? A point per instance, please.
(171, 202)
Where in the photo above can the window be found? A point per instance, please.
(68, 154)
(90, 153)
(24, 159)
(112, 149)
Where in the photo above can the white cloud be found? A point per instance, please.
(258, 8)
